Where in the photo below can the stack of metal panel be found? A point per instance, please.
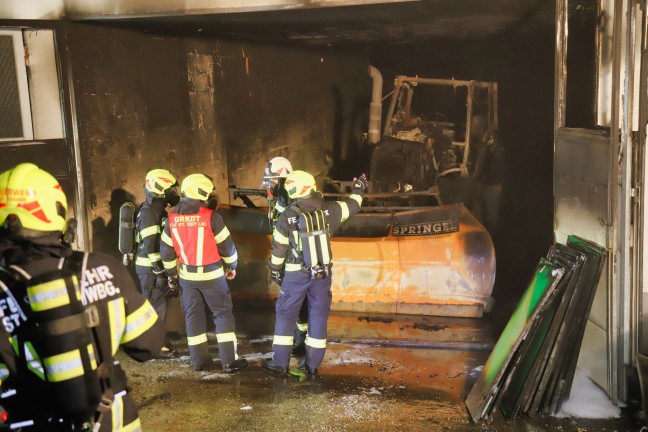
(532, 366)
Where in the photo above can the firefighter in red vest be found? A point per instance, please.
(197, 239)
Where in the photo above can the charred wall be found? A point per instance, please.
(206, 105)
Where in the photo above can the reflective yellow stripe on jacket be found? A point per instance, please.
(221, 236)
(152, 230)
(138, 322)
(50, 295)
(62, 367)
(200, 275)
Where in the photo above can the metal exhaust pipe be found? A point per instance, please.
(375, 108)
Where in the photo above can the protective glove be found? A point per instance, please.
(360, 183)
(276, 276)
(174, 286)
(157, 270)
(161, 281)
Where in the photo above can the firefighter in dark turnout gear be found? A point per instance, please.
(301, 262)
(42, 374)
(196, 238)
(160, 190)
(274, 177)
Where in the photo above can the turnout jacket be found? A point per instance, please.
(278, 204)
(126, 319)
(285, 235)
(150, 218)
(196, 239)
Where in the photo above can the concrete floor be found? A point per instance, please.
(417, 382)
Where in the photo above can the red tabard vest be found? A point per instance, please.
(193, 238)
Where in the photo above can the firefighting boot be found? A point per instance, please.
(167, 352)
(299, 344)
(204, 365)
(236, 365)
(272, 366)
(304, 373)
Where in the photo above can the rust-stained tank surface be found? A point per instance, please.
(361, 387)
(436, 260)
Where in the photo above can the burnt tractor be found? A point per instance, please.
(416, 247)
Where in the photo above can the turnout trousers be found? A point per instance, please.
(152, 294)
(296, 287)
(216, 295)
(122, 415)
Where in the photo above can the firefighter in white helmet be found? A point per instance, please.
(301, 262)
(274, 178)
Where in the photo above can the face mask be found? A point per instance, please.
(171, 196)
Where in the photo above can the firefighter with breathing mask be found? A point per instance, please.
(274, 178)
(70, 313)
(301, 263)
(196, 237)
(160, 188)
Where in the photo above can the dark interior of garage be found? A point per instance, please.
(295, 83)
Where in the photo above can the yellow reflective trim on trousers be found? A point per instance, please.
(62, 367)
(357, 198)
(276, 260)
(143, 261)
(280, 238)
(117, 321)
(283, 340)
(152, 230)
(139, 321)
(176, 236)
(315, 343)
(201, 276)
(170, 264)
(166, 239)
(48, 295)
(117, 413)
(302, 327)
(199, 249)
(226, 337)
(230, 259)
(221, 236)
(345, 210)
(197, 340)
(293, 267)
(134, 426)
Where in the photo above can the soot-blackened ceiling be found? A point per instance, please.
(396, 22)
